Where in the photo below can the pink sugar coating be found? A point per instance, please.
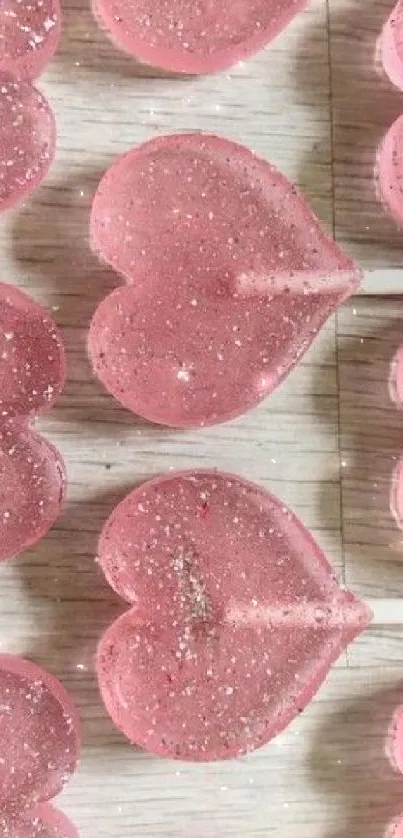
(33, 362)
(236, 616)
(32, 488)
(29, 36)
(390, 46)
(39, 738)
(44, 822)
(194, 36)
(230, 278)
(27, 140)
(32, 478)
(389, 171)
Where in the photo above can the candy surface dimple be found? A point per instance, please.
(194, 36)
(29, 35)
(39, 741)
(390, 46)
(27, 140)
(32, 370)
(236, 616)
(230, 278)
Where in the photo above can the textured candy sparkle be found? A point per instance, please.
(236, 616)
(44, 822)
(194, 36)
(27, 140)
(229, 279)
(29, 35)
(32, 369)
(39, 747)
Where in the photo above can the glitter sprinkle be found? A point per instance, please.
(194, 37)
(27, 136)
(29, 35)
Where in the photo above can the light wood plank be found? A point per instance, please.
(378, 646)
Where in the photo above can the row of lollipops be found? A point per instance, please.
(228, 278)
(38, 722)
(188, 552)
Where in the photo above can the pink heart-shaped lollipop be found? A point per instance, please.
(389, 171)
(32, 370)
(390, 46)
(194, 36)
(29, 35)
(27, 140)
(229, 279)
(39, 749)
(235, 622)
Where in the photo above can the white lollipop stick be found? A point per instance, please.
(387, 612)
(382, 281)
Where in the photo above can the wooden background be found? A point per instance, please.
(326, 441)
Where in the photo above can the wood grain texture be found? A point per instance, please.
(326, 441)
